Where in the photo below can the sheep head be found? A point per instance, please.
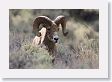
(52, 27)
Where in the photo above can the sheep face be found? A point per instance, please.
(52, 33)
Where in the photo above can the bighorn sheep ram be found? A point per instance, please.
(48, 35)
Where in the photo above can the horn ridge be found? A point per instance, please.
(41, 20)
(61, 20)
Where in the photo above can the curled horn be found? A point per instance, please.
(41, 20)
(61, 20)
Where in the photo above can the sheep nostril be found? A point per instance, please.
(55, 38)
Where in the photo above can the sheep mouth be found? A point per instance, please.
(56, 41)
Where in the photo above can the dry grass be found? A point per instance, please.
(79, 50)
(30, 57)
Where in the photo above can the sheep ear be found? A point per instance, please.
(61, 20)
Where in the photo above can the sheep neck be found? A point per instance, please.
(50, 45)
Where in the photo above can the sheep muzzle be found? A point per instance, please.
(55, 37)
